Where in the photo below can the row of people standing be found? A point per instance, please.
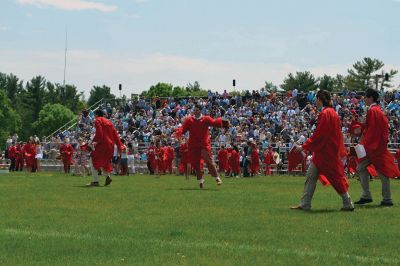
(26, 155)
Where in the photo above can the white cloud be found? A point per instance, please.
(138, 73)
(3, 28)
(70, 4)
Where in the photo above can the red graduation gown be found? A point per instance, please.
(375, 139)
(199, 136)
(106, 136)
(327, 147)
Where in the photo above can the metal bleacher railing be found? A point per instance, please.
(71, 124)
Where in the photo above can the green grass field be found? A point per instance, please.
(52, 219)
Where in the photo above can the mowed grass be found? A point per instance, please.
(52, 219)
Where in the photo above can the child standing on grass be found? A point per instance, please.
(131, 159)
(124, 158)
(82, 158)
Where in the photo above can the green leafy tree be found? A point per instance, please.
(52, 117)
(302, 81)
(12, 87)
(327, 83)
(32, 100)
(271, 87)
(195, 87)
(159, 90)
(368, 73)
(179, 92)
(10, 121)
(98, 93)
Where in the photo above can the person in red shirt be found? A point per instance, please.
(327, 147)
(103, 142)
(66, 151)
(222, 160)
(12, 155)
(374, 139)
(199, 141)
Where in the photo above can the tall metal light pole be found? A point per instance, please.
(65, 55)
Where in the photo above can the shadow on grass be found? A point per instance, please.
(323, 211)
(316, 211)
(89, 187)
(193, 189)
(371, 207)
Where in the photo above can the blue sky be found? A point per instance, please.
(141, 42)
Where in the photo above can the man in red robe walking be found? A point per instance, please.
(234, 161)
(327, 147)
(184, 162)
(66, 151)
(199, 142)
(255, 159)
(374, 139)
(268, 160)
(29, 151)
(222, 160)
(170, 156)
(105, 138)
(12, 155)
(19, 161)
(151, 158)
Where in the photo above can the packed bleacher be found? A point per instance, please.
(269, 119)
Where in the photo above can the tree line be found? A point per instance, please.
(38, 107)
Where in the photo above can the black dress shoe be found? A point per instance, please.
(386, 203)
(363, 201)
(108, 181)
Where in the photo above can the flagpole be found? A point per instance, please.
(65, 55)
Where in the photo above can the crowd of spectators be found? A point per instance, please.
(269, 118)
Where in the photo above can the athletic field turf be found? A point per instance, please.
(52, 219)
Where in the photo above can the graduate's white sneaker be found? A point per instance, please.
(219, 181)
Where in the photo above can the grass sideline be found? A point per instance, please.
(52, 219)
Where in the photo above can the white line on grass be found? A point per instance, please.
(55, 234)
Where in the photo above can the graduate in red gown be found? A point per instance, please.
(268, 160)
(105, 138)
(12, 155)
(29, 151)
(184, 162)
(19, 161)
(234, 161)
(199, 141)
(327, 147)
(170, 156)
(66, 151)
(151, 158)
(374, 139)
(222, 160)
(255, 159)
(160, 159)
